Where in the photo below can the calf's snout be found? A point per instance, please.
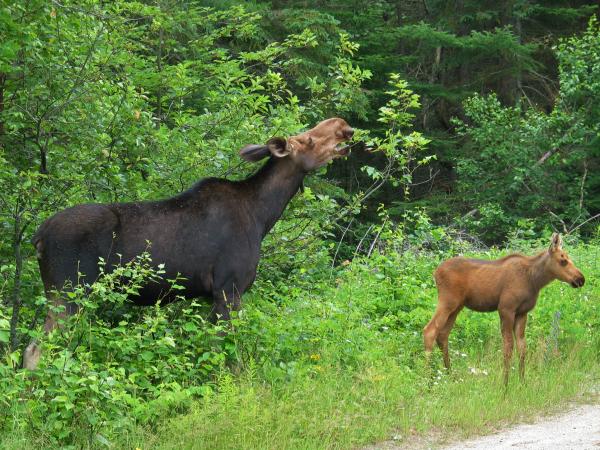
(578, 281)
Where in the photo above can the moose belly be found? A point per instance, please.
(177, 280)
(163, 291)
(194, 286)
(482, 303)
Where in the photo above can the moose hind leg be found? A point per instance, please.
(435, 325)
(59, 307)
(32, 355)
(59, 310)
(442, 338)
(432, 330)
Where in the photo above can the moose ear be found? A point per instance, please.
(279, 147)
(555, 242)
(254, 152)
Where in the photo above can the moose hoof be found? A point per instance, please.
(31, 357)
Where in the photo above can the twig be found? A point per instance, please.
(376, 238)
(362, 239)
(431, 178)
(583, 223)
(340, 243)
(547, 155)
(585, 171)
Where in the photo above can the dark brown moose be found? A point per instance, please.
(210, 235)
(510, 285)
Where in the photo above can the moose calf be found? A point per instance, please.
(509, 285)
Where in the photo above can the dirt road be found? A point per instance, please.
(577, 429)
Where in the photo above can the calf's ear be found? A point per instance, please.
(279, 147)
(254, 152)
(555, 242)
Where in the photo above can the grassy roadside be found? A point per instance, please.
(315, 362)
(382, 391)
(338, 409)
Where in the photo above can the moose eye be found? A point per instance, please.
(563, 262)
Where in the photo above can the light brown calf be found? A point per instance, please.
(509, 285)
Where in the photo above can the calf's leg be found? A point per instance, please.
(507, 320)
(431, 330)
(437, 323)
(520, 324)
(442, 338)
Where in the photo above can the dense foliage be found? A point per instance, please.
(477, 124)
(503, 86)
(114, 370)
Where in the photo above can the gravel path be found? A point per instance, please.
(577, 429)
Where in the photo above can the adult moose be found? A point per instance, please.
(210, 234)
(510, 285)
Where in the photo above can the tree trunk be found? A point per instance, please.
(433, 78)
(2, 83)
(159, 56)
(510, 88)
(518, 76)
(16, 291)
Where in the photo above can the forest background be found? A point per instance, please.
(477, 126)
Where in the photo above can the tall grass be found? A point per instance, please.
(379, 389)
(345, 409)
(327, 359)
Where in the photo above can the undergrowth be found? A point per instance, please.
(329, 358)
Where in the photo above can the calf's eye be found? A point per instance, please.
(563, 262)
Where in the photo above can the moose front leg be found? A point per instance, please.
(520, 324)
(507, 319)
(225, 300)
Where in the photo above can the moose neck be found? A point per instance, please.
(539, 273)
(273, 186)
